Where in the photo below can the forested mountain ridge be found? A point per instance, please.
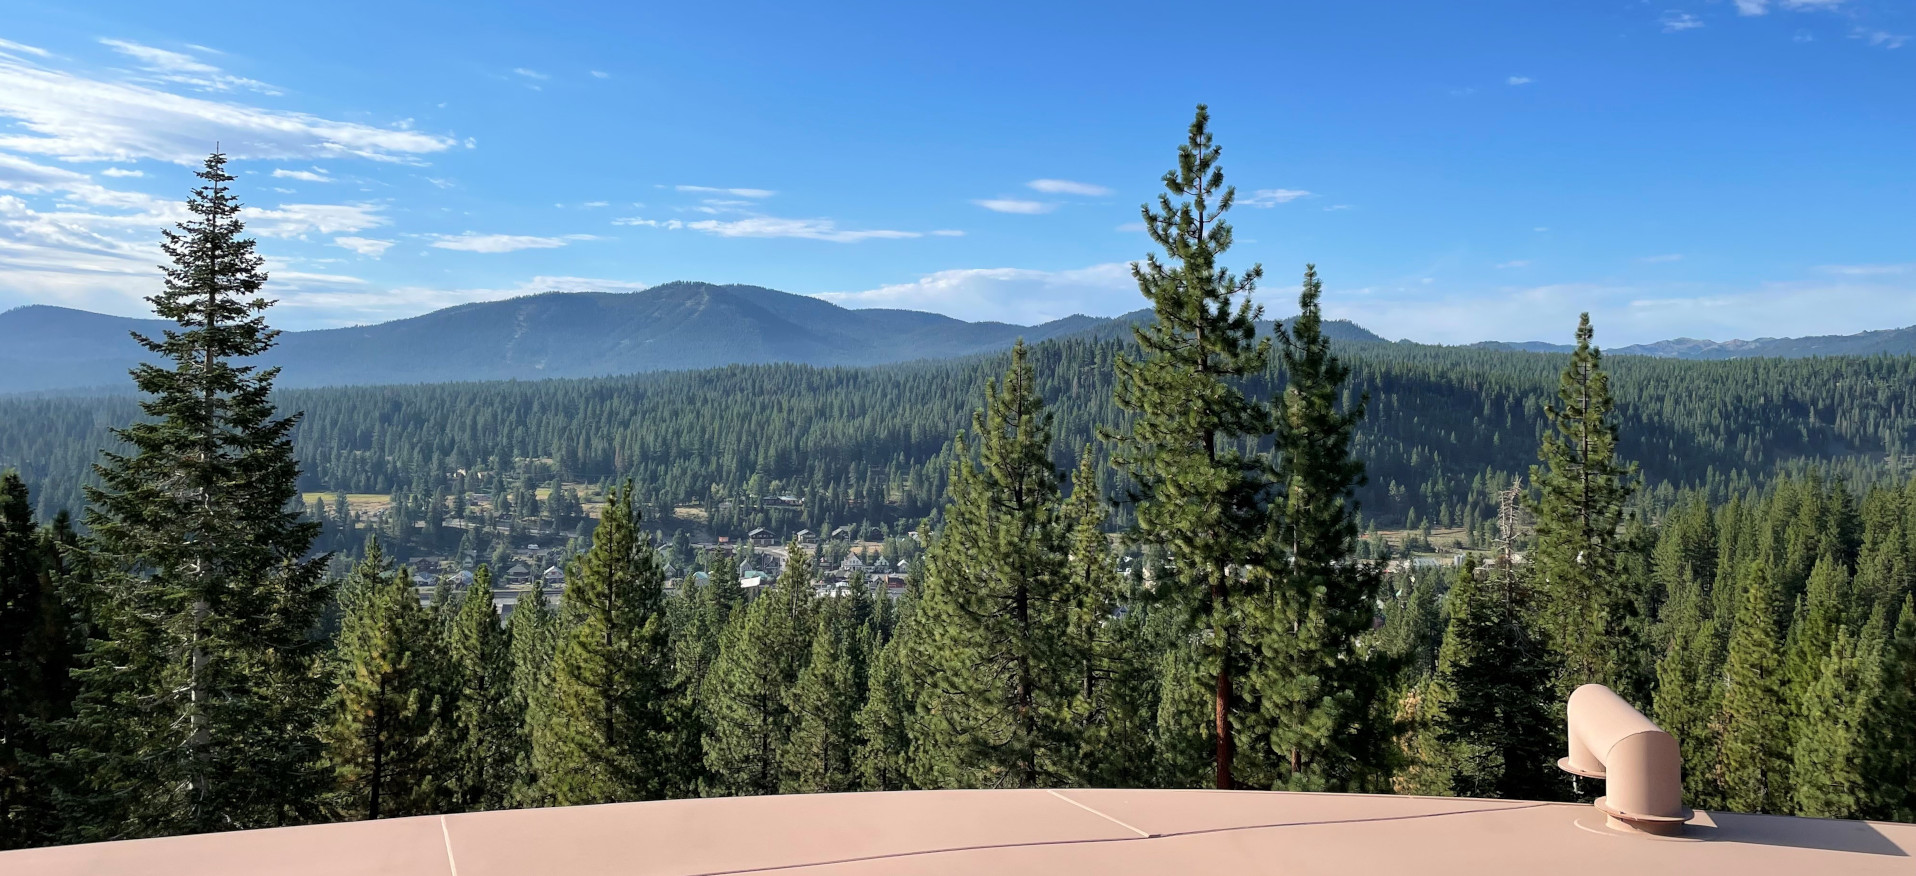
(672, 327)
(676, 326)
(1893, 342)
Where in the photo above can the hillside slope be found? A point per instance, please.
(676, 326)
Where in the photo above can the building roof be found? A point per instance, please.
(1006, 833)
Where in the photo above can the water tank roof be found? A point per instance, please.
(1013, 832)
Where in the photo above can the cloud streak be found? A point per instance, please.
(1067, 187)
(1015, 205)
(1274, 197)
(177, 67)
(1018, 295)
(364, 246)
(740, 193)
(1677, 22)
(77, 118)
(473, 241)
(314, 175)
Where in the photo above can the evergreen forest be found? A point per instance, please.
(1145, 561)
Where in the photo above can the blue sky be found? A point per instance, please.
(1457, 171)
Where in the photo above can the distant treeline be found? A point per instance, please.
(1446, 429)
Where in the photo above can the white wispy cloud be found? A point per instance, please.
(1274, 197)
(1674, 21)
(1518, 80)
(20, 175)
(601, 74)
(296, 220)
(1879, 38)
(365, 246)
(948, 232)
(315, 175)
(348, 304)
(178, 67)
(473, 241)
(532, 74)
(78, 118)
(121, 172)
(776, 227)
(1759, 7)
(804, 229)
(1868, 270)
(11, 46)
(742, 193)
(1336, 207)
(1018, 295)
(1067, 187)
(1014, 205)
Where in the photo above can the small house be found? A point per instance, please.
(518, 574)
(553, 576)
(842, 533)
(760, 537)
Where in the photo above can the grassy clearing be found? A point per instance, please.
(355, 501)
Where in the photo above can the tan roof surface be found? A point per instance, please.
(1003, 833)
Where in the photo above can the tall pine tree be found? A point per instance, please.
(533, 634)
(824, 703)
(1493, 734)
(383, 726)
(1577, 560)
(36, 656)
(1689, 685)
(479, 656)
(1830, 757)
(1891, 758)
(1116, 708)
(884, 753)
(201, 698)
(1754, 759)
(1319, 696)
(998, 649)
(761, 654)
(1199, 494)
(611, 674)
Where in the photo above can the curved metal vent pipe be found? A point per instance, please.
(1639, 762)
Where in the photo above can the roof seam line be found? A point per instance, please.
(1096, 812)
(452, 865)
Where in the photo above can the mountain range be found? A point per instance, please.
(676, 326)
(1894, 342)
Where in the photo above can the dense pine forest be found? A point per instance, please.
(1136, 563)
(1446, 428)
